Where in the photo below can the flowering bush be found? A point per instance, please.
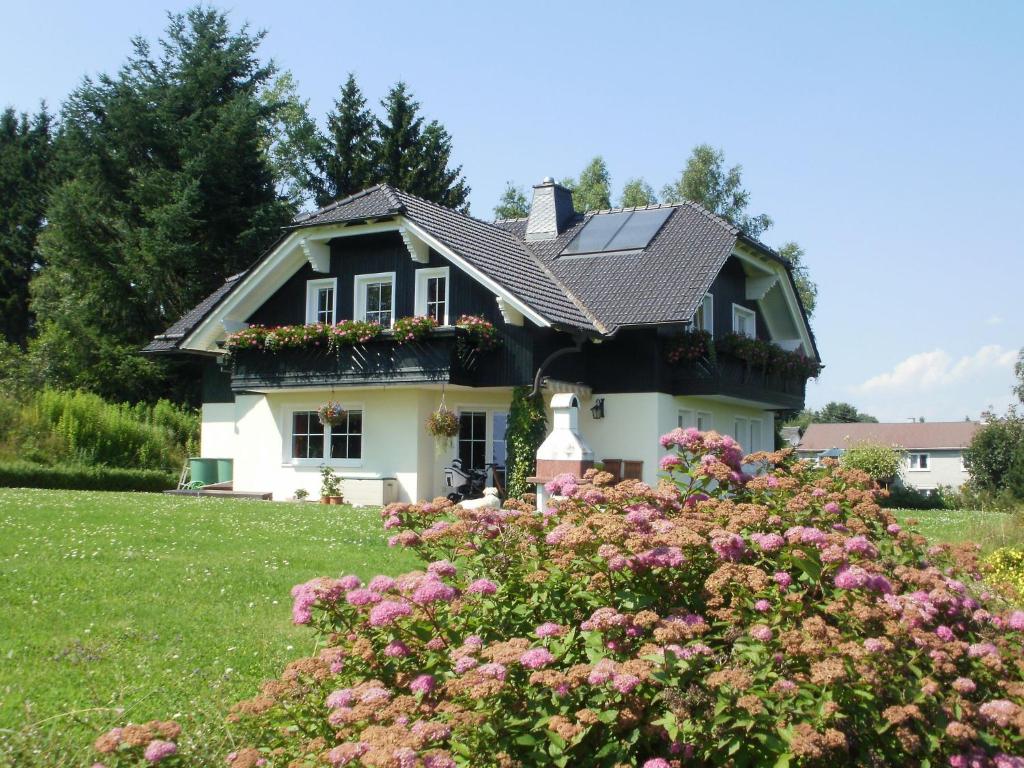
(690, 346)
(718, 619)
(443, 423)
(480, 333)
(148, 743)
(331, 413)
(413, 328)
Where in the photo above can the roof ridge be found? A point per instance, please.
(385, 188)
(509, 221)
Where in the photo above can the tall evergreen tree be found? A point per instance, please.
(707, 181)
(636, 193)
(512, 204)
(169, 189)
(25, 145)
(347, 164)
(414, 157)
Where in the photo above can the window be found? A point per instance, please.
(917, 462)
(740, 431)
(499, 451)
(321, 301)
(432, 294)
(703, 421)
(743, 321)
(704, 319)
(685, 419)
(755, 436)
(347, 438)
(473, 439)
(375, 300)
(309, 436)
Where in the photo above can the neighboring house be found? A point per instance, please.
(615, 287)
(935, 449)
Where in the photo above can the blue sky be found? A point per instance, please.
(886, 138)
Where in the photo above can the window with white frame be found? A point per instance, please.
(344, 442)
(499, 449)
(755, 436)
(322, 301)
(375, 298)
(686, 419)
(703, 421)
(741, 431)
(473, 439)
(432, 294)
(704, 319)
(744, 322)
(917, 462)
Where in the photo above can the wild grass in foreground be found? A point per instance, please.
(124, 606)
(989, 530)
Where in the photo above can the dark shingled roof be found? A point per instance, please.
(169, 339)
(661, 283)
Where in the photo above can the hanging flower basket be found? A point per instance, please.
(331, 414)
(443, 424)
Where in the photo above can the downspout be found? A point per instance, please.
(578, 339)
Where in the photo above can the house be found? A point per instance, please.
(618, 307)
(934, 449)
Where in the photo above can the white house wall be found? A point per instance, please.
(217, 433)
(944, 468)
(633, 423)
(395, 442)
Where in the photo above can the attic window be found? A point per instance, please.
(624, 231)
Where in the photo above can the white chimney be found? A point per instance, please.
(550, 212)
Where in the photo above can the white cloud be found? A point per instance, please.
(927, 371)
(939, 386)
(994, 320)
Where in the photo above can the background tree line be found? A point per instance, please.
(155, 182)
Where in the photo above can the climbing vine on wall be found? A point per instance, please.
(527, 427)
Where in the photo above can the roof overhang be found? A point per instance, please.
(310, 244)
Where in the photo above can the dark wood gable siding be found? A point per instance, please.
(728, 288)
(370, 254)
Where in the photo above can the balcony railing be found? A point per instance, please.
(436, 359)
(730, 377)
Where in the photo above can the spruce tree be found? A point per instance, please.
(347, 165)
(25, 145)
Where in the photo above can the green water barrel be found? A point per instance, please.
(225, 470)
(203, 471)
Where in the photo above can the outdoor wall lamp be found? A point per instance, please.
(597, 411)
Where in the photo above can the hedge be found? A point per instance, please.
(23, 474)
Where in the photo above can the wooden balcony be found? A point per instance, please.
(729, 377)
(435, 359)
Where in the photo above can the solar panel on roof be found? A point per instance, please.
(624, 231)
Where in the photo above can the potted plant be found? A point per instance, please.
(301, 494)
(331, 414)
(330, 487)
(443, 424)
(407, 329)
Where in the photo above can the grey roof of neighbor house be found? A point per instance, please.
(597, 293)
(932, 435)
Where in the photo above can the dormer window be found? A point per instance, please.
(322, 301)
(375, 298)
(704, 319)
(432, 294)
(744, 321)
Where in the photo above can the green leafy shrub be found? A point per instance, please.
(526, 429)
(53, 427)
(882, 463)
(994, 450)
(81, 478)
(715, 620)
(908, 497)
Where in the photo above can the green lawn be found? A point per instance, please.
(133, 606)
(123, 607)
(990, 530)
